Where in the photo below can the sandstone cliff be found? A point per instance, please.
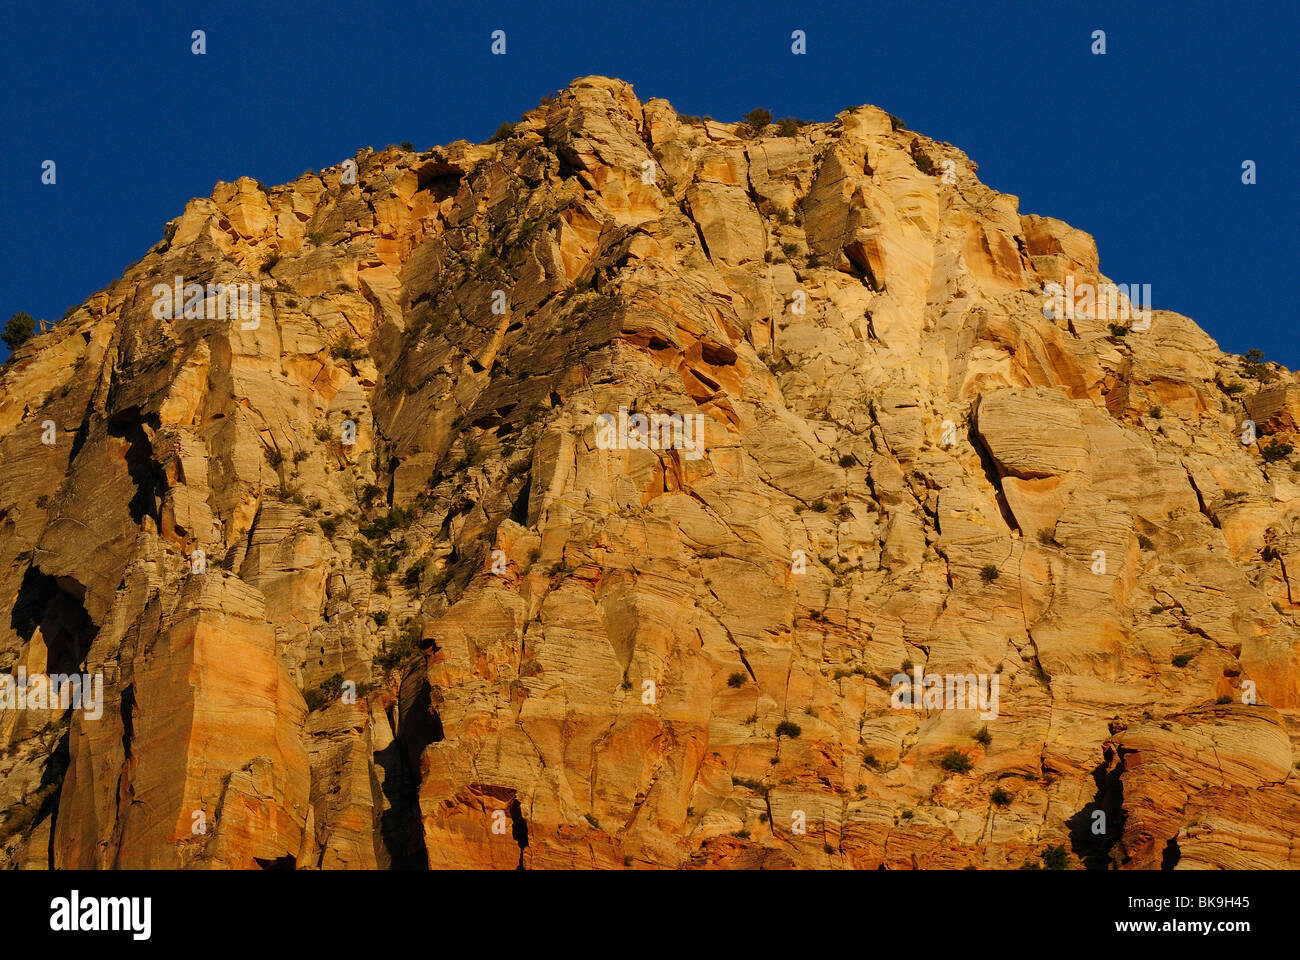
(470, 635)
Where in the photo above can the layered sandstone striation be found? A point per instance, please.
(475, 637)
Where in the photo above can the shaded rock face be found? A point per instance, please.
(368, 584)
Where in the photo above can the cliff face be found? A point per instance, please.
(478, 633)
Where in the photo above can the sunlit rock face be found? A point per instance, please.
(644, 491)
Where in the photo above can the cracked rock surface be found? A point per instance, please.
(366, 591)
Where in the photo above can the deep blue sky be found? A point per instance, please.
(1141, 147)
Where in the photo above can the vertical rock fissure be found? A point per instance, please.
(518, 829)
(1092, 837)
(1169, 859)
(148, 477)
(54, 607)
(401, 826)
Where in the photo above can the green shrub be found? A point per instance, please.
(344, 348)
(1183, 659)
(736, 680)
(382, 526)
(757, 119)
(1145, 542)
(1055, 858)
(956, 761)
(1224, 699)
(380, 617)
(326, 693)
(760, 788)
(782, 213)
(503, 133)
(475, 454)
(988, 573)
(1000, 798)
(527, 227)
(269, 263)
(788, 126)
(1275, 451)
(402, 648)
(896, 124)
(408, 146)
(20, 328)
(788, 729)
(983, 737)
(329, 526)
(318, 238)
(1254, 365)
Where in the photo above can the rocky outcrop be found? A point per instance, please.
(372, 582)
